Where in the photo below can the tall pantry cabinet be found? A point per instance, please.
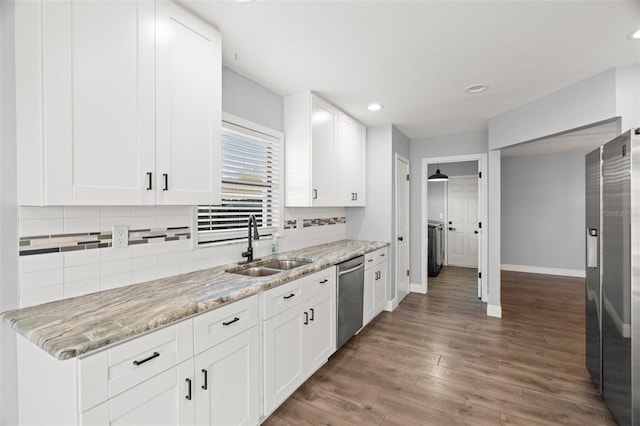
(117, 103)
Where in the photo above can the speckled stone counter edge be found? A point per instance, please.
(77, 326)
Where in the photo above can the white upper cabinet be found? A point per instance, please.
(324, 156)
(351, 161)
(101, 91)
(188, 107)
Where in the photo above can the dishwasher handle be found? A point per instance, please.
(348, 271)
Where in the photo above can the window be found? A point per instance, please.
(250, 184)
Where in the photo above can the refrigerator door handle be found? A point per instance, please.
(592, 248)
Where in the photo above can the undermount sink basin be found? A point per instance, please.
(271, 267)
(256, 271)
(285, 265)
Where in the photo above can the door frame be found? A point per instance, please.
(424, 231)
(396, 299)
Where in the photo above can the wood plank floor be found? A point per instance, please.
(439, 360)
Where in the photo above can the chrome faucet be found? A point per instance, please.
(249, 253)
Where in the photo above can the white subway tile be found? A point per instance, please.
(115, 211)
(81, 224)
(115, 267)
(190, 267)
(173, 221)
(144, 222)
(140, 263)
(81, 257)
(144, 211)
(81, 211)
(143, 250)
(109, 254)
(189, 256)
(169, 247)
(115, 281)
(168, 259)
(41, 213)
(32, 280)
(79, 288)
(144, 275)
(168, 270)
(82, 272)
(173, 210)
(107, 223)
(41, 295)
(40, 262)
(32, 227)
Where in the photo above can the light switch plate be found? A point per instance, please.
(119, 236)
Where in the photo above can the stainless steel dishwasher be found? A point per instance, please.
(350, 298)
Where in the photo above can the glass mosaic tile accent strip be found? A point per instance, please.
(43, 244)
(306, 223)
(291, 224)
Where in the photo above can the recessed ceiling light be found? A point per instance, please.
(374, 107)
(476, 88)
(634, 35)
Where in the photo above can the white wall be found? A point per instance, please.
(450, 145)
(436, 201)
(8, 216)
(543, 205)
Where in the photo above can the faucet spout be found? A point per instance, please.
(249, 253)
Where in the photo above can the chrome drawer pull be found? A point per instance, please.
(149, 358)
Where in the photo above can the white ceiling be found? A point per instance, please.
(417, 57)
(580, 141)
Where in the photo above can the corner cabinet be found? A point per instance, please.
(116, 103)
(325, 155)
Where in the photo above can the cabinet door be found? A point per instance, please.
(283, 357)
(320, 332)
(381, 287)
(324, 167)
(188, 108)
(228, 391)
(368, 306)
(161, 400)
(98, 101)
(351, 161)
(358, 177)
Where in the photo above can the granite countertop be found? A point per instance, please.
(72, 327)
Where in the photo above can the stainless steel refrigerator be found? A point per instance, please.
(613, 274)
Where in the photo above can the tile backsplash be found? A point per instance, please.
(66, 251)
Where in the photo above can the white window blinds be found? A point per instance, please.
(250, 185)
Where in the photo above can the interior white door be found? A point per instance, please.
(462, 229)
(402, 227)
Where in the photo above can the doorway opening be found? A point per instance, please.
(453, 215)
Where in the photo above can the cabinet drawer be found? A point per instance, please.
(224, 322)
(281, 298)
(375, 257)
(322, 280)
(111, 372)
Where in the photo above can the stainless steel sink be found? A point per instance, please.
(261, 269)
(285, 265)
(255, 271)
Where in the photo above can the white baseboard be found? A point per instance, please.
(391, 305)
(417, 288)
(578, 273)
(494, 311)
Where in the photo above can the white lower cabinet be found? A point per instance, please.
(165, 399)
(299, 340)
(375, 284)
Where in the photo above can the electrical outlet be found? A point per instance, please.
(119, 236)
